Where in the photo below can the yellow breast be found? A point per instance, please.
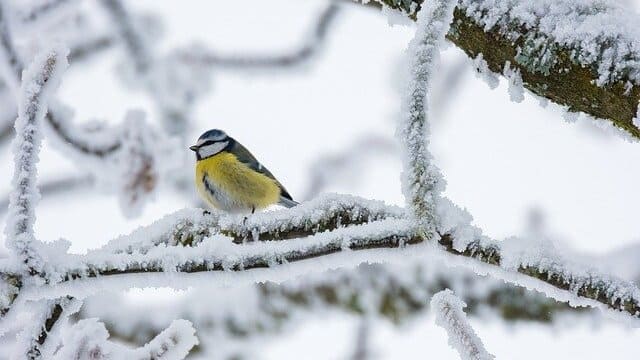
(236, 187)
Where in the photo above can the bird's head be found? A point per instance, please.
(210, 143)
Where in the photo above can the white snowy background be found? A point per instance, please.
(505, 162)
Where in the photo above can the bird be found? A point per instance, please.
(229, 178)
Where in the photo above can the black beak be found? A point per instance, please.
(193, 147)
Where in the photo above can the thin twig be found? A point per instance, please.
(304, 53)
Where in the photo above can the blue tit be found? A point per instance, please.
(229, 178)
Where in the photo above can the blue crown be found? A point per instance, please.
(213, 134)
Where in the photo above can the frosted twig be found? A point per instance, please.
(421, 180)
(47, 313)
(58, 121)
(130, 36)
(449, 315)
(85, 49)
(88, 339)
(308, 50)
(39, 81)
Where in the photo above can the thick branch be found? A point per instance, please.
(598, 76)
(582, 282)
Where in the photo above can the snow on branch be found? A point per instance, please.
(450, 316)
(582, 54)
(88, 339)
(551, 274)
(58, 119)
(421, 179)
(46, 314)
(39, 81)
(189, 227)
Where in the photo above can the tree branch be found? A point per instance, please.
(33, 337)
(305, 52)
(462, 337)
(589, 70)
(39, 81)
(569, 280)
(88, 339)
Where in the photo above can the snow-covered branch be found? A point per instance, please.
(450, 316)
(421, 179)
(57, 120)
(40, 79)
(581, 54)
(396, 292)
(189, 227)
(153, 249)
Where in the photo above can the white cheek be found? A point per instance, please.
(212, 149)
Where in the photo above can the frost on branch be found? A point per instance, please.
(582, 54)
(421, 180)
(483, 72)
(189, 227)
(247, 312)
(32, 339)
(449, 315)
(190, 242)
(516, 91)
(39, 80)
(88, 340)
(326, 212)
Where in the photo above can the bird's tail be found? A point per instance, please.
(288, 203)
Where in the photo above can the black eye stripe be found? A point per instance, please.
(211, 142)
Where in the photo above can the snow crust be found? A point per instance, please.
(587, 28)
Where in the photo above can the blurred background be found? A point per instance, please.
(313, 89)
